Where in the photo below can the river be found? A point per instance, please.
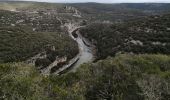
(85, 51)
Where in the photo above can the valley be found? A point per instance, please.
(84, 51)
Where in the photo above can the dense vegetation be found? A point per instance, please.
(118, 12)
(125, 77)
(124, 7)
(146, 35)
(31, 28)
(33, 32)
(25, 35)
(36, 22)
(20, 5)
(19, 44)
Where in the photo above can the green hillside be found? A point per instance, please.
(126, 47)
(25, 35)
(19, 5)
(120, 11)
(123, 7)
(125, 77)
(20, 44)
(145, 35)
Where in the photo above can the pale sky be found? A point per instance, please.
(105, 1)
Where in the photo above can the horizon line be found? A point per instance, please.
(81, 2)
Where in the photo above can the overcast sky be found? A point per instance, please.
(105, 1)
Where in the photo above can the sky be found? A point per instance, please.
(105, 1)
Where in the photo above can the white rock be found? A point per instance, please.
(12, 24)
(136, 42)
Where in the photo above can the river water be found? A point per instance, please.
(86, 51)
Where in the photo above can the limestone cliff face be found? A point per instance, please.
(73, 10)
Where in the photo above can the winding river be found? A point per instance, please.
(85, 54)
(85, 51)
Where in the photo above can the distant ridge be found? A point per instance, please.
(8, 0)
(67, 1)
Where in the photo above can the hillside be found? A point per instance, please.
(125, 77)
(84, 51)
(119, 12)
(19, 5)
(92, 11)
(145, 35)
(24, 35)
(99, 7)
(18, 44)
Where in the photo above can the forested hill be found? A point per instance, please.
(111, 7)
(145, 35)
(121, 11)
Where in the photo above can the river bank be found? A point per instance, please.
(85, 55)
